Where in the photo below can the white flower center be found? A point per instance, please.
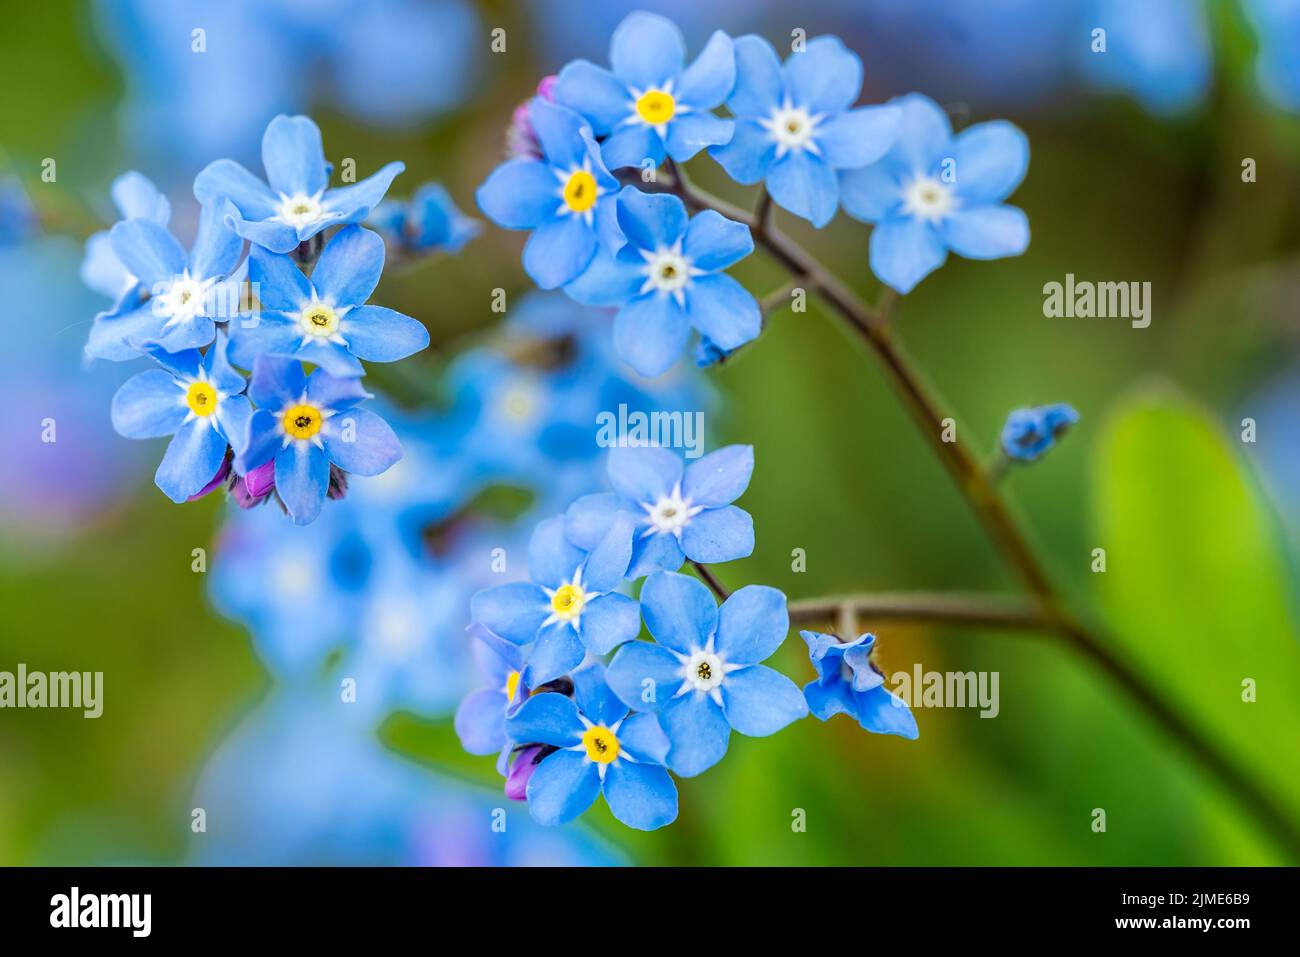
(793, 128)
(519, 402)
(929, 199)
(667, 270)
(704, 670)
(301, 210)
(319, 320)
(670, 514)
(185, 298)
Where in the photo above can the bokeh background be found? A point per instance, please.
(221, 687)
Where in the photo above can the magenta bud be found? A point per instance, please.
(546, 89)
(251, 489)
(217, 479)
(525, 764)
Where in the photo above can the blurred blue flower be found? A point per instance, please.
(795, 126)
(298, 203)
(847, 683)
(599, 749)
(324, 320)
(1029, 433)
(308, 423)
(18, 219)
(427, 223)
(135, 197)
(703, 678)
(680, 513)
(197, 399)
(569, 607)
(481, 718)
(1277, 26)
(668, 278)
(933, 192)
(567, 198)
(651, 103)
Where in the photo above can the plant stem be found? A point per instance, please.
(991, 610)
(707, 577)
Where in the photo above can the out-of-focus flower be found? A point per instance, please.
(298, 203)
(569, 607)
(521, 139)
(668, 279)
(481, 718)
(521, 770)
(197, 399)
(135, 198)
(795, 126)
(650, 103)
(324, 320)
(427, 223)
(1277, 26)
(18, 220)
(308, 423)
(848, 683)
(600, 748)
(567, 197)
(933, 192)
(680, 512)
(703, 677)
(1030, 433)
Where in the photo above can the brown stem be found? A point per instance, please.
(991, 610)
(707, 577)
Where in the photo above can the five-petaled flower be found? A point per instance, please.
(298, 203)
(196, 398)
(570, 606)
(598, 748)
(794, 125)
(933, 192)
(308, 423)
(703, 678)
(1029, 433)
(668, 278)
(680, 512)
(651, 103)
(324, 320)
(848, 683)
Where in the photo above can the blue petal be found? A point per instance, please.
(604, 568)
(644, 474)
(748, 156)
(904, 251)
(632, 145)
(277, 381)
(480, 721)
(924, 135)
(275, 236)
(724, 310)
(679, 611)
(302, 476)
(642, 738)
(752, 623)
(714, 242)
(354, 202)
(560, 132)
(557, 651)
(195, 334)
(805, 185)
(720, 477)
(859, 137)
(650, 553)
(136, 197)
(689, 134)
(872, 193)
(588, 519)
(641, 796)
(719, 535)
(293, 156)
(710, 79)
(112, 337)
(349, 266)
(594, 698)
(826, 699)
(644, 676)
(264, 441)
(274, 333)
(608, 232)
(234, 415)
(227, 180)
(651, 220)
(760, 85)
(825, 78)
(278, 284)
(360, 442)
(986, 232)
(520, 194)
(698, 732)
(609, 621)
(377, 334)
(647, 50)
(546, 718)
(884, 713)
(595, 93)
(149, 405)
(514, 611)
(184, 365)
(150, 252)
(216, 363)
(650, 333)
(335, 392)
(564, 785)
(216, 249)
(552, 558)
(558, 251)
(192, 458)
(610, 280)
(759, 701)
(991, 159)
(101, 270)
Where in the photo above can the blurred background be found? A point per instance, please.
(222, 686)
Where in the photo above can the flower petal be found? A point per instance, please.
(293, 156)
(647, 50)
(148, 251)
(752, 623)
(302, 476)
(651, 221)
(905, 250)
(724, 310)
(378, 334)
(513, 611)
(883, 712)
(278, 283)
(632, 145)
(352, 203)
(588, 519)
(641, 796)
(564, 785)
(644, 474)
(872, 193)
(226, 180)
(558, 251)
(760, 85)
(594, 698)
(136, 197)
(759, 701)
(149, 405)
(557, 651)
(645, 676)
(596, 93)
(609, 621)
(680, 611)
(610, 280)
(349, 267)
(720, 477)
(277, 381)
(986, 232)
(719, 535)
(805, 185)
(480, 721)
(217, 247)
(991, 160)
(192, 458)
(650, 333)
(689, 134)
(714, 242)
(859, 137)
(698, 732)
(546, 718)
(825, 78)
(360, 442)
(552, 558)
(710, 79)
(519, 194)
(924, 135)
(607, 563)
(748, 155)
(655, 552)
(642, 738)
(561, 133)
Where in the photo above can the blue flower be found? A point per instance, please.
(600, 748)
(188, 295)
(298, 203)
(324, 320)
(932, 192)
(428, 222)
(135, 197)
(1158, 50)
(481, 718)
(703, 678)
(195, 398)
(1029, 433)
(651, 102)
(668, 278)
(308, 423)
(568, 198)
(794, 125)
(18, 219)
(847, 683)
(1277, 26)
(680, 512)
(569, 607)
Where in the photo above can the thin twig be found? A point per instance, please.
(954, 608)
(707, 577)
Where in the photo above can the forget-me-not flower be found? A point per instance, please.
(1277, 26)
(308, 423)
(599, 749)
(680, 512)
(668, 278)
(428, 222)
(933, 192)
(703, 678)
(650, 103)
(795, 127)
(135, 197)
(481, 718)
(569, 607)
(1030, 433)
(324, 320)
(197, 399)
(847, 683)
(567, 197)
(298, 203)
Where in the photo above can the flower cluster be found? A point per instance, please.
(299, 295)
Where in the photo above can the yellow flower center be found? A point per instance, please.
(580, 191)
(601, 744)
(656, 107)
(568, 602)
(512, 685)
(302, 421)
(201, 398)
(318, 319)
